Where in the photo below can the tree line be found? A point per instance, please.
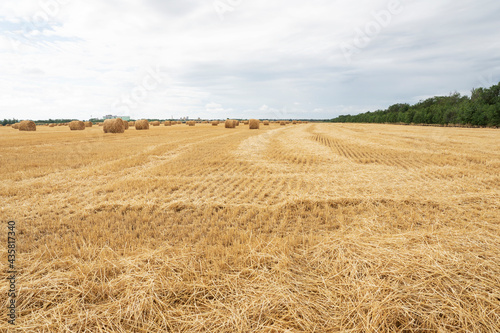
(38, 122)
(482, 108)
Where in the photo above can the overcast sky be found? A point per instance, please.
(239, 58)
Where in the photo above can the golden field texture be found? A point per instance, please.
(306, 228)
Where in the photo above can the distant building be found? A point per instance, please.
(109, 116)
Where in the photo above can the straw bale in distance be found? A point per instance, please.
(253, 124)
(88, 124)
(125, 125)
(27, 125)
(142, 124)
(266, 122)
(113, 126)
(237, 123)
(77, 125)
(282, 123)
(155, 123)
(230, 123)
(15, 126)
(168, 123)
(191, 123)
(52, 125)
(215, 123)
(131, 123)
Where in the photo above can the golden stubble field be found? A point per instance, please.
(297, 228)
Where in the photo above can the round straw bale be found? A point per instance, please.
(27, 125)
(88, 124)
(191, 123)
(168, 123)
(131, 123)
(142, 124)
(15, 126)
(155, 123)
(230, 123)
(266, 122)
(282, 123)
(52, 125)
(253, 124)
(113, 126)
(237, 123)
(125, 125)
(215, 123)
(77, 125)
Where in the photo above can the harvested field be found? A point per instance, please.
(306, 228)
